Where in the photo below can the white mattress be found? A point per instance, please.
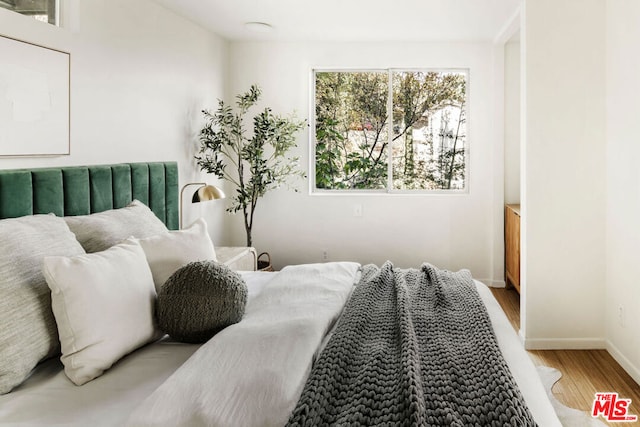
(520, 364)
(48, 398)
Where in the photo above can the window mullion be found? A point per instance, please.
(389, 132)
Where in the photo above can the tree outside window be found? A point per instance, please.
(42, 10)
(422, 146)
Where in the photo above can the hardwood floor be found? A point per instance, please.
(584, 372)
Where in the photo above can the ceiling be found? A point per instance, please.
(351, 20)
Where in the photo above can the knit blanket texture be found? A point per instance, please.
(412, 348)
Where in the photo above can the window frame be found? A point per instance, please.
(389, 190)
(56, 13)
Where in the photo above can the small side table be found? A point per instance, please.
(239, 258)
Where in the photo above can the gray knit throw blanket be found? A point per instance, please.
(415, 348)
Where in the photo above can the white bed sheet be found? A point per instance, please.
(48, 398)
(520, 364)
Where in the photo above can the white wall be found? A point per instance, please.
(139, 77)
(623, 183)
(563, 228)
(512, 122)
(451, 231)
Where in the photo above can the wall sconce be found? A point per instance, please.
(204, 193)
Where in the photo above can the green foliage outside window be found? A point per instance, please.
(428, 130)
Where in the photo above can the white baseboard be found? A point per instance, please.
(626, 364)
(583, 344)
(565, 343)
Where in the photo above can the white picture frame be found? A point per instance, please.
(34, 100)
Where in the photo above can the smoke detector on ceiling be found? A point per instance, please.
(258, 27)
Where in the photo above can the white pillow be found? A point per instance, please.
(168, 252)
(103, 304)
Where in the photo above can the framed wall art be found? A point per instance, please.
(34, 99)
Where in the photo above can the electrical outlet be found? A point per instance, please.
(357, 210)
(325, 255)
(621, 319)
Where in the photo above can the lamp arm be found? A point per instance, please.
(182, 193)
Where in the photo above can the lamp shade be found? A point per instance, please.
(207, 193)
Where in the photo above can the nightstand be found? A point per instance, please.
(237, 257)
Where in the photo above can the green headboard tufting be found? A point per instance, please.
(81, 190)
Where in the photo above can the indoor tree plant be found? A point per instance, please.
(254, 162)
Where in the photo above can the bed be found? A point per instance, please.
(239, 377)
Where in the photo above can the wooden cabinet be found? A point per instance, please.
(512, 245)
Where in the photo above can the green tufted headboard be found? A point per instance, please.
(81, 190)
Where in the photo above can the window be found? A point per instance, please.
(42, 10)
(423, 146)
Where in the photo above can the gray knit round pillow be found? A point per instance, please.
(199, 300)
